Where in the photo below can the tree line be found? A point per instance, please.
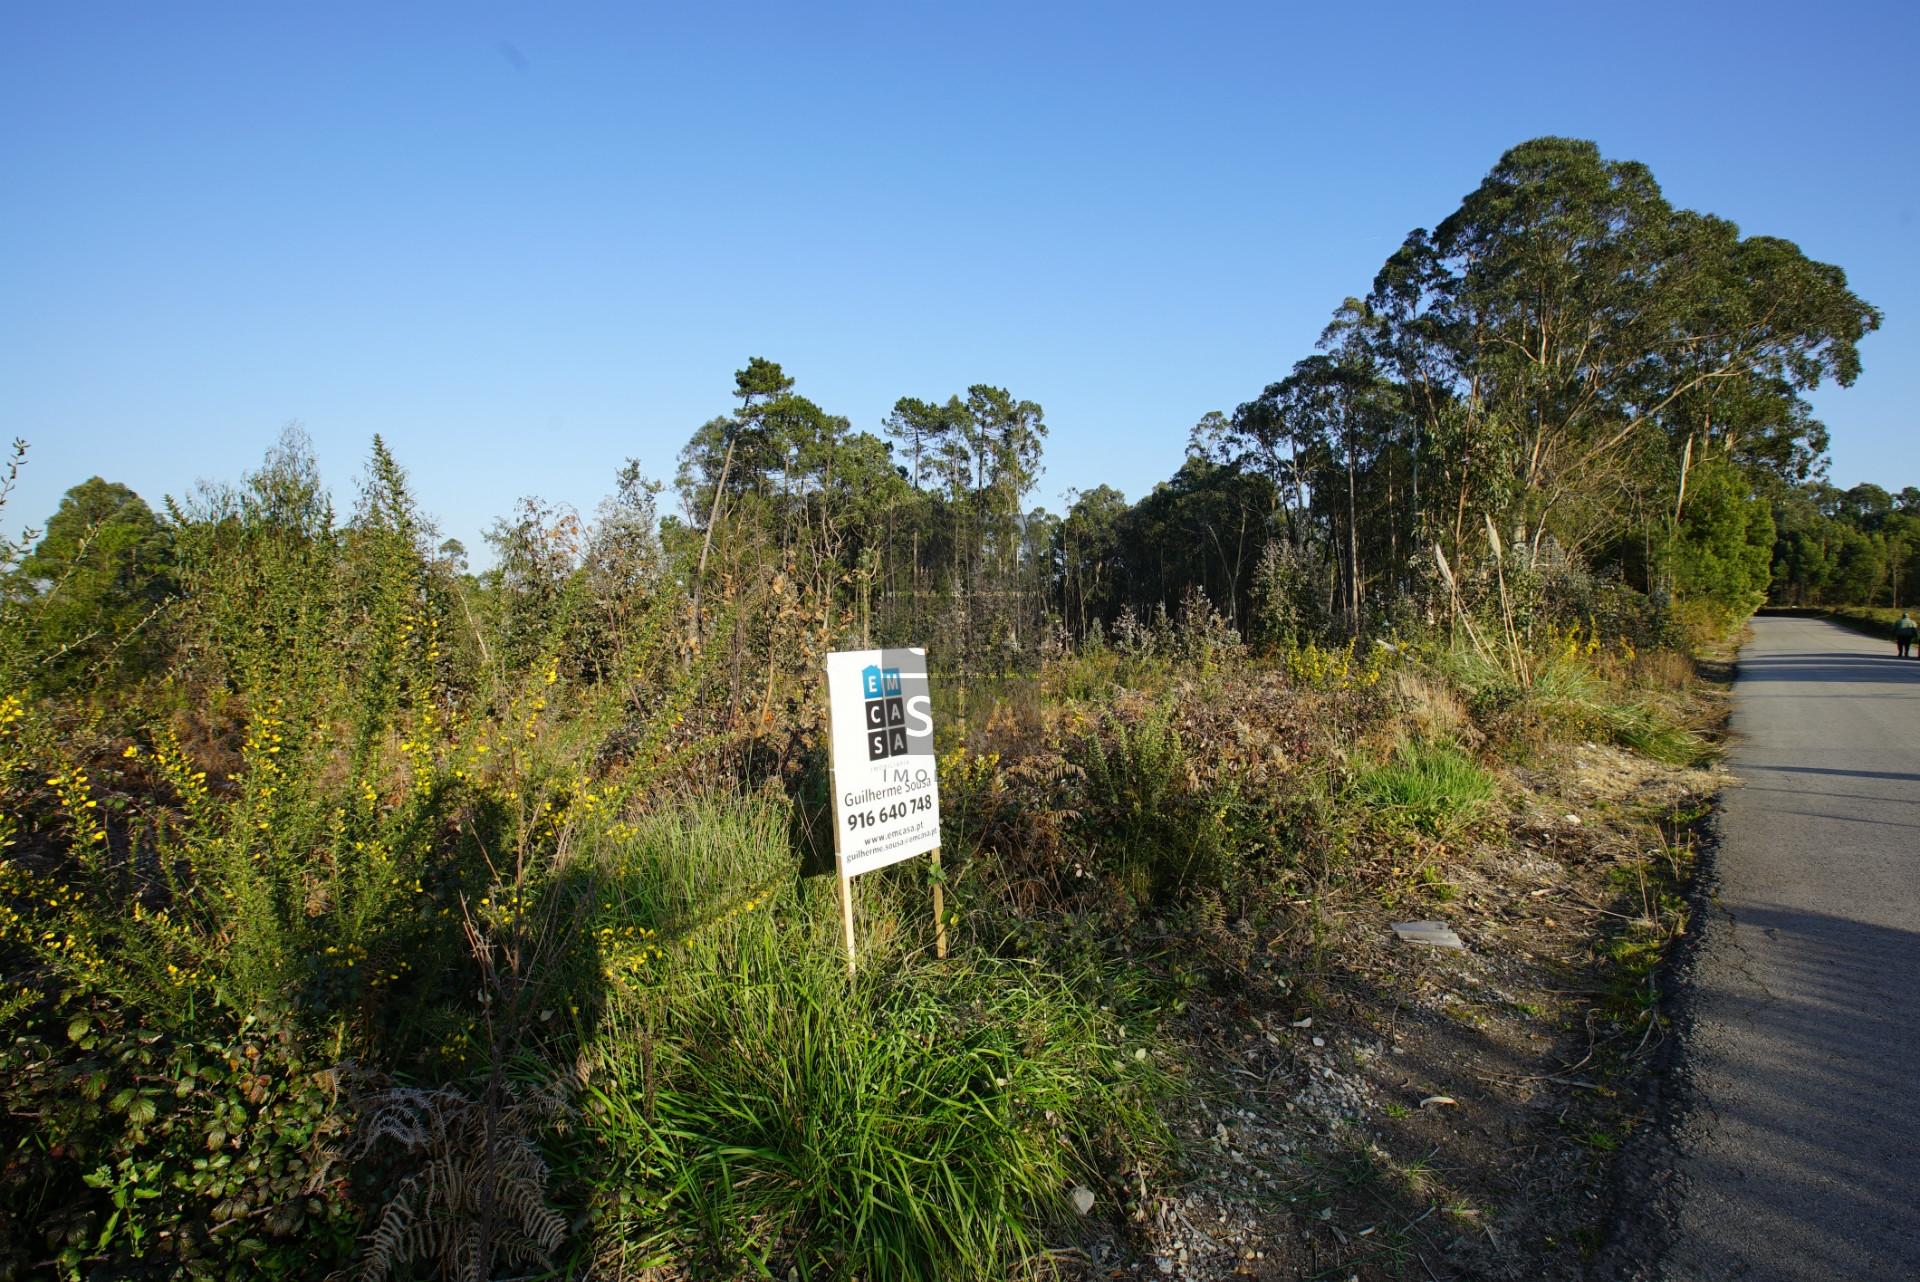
(1859, 546)
(1565, 371)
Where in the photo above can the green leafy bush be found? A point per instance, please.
(1721, 553)
(334, 833)
(1147, 817)
(213, 1155)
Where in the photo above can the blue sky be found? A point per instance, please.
(525, 242)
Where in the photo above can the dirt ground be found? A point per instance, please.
(1409, 1111)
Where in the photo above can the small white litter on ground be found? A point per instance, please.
(1436, 933)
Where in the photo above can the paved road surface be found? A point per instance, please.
(1805, 1151)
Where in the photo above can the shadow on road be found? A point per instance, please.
(1814, 792)
(1823, 1126)
(1897, 775)
(1801, 1154)
(1827, 666)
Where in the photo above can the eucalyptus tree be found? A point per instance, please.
(1334, 440)
(1551, 360)
(1091, 570)
(1204, 528)
(1565, 331)
(977, 457)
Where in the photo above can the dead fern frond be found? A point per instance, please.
(475, 1191)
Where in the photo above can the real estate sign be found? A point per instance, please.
(886, 794)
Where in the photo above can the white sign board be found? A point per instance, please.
(886, 793)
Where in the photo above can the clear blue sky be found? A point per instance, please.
(523, 243)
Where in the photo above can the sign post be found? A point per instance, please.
(939, 908)
(886, 789)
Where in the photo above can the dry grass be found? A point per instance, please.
(1430, 709)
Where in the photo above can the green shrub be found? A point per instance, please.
(210, 1155)
(335, 835)
(1146, 817)
(1720, 556)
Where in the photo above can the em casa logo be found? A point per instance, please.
(886, 712)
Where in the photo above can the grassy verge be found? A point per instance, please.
(1872, 620)
(749, 1106)
(1431, 787)
(1539, 805)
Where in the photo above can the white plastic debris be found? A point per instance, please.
(1436, 933)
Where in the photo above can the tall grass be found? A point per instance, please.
(1564, 695)
(752, 1108)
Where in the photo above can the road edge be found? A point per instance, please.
(1645, 1185)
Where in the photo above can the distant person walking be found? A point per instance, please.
(1904, 632)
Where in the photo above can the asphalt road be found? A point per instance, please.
(1802, 1157)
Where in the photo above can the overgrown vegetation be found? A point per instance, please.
(363, 913)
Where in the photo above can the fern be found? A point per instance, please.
(476, 1195)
